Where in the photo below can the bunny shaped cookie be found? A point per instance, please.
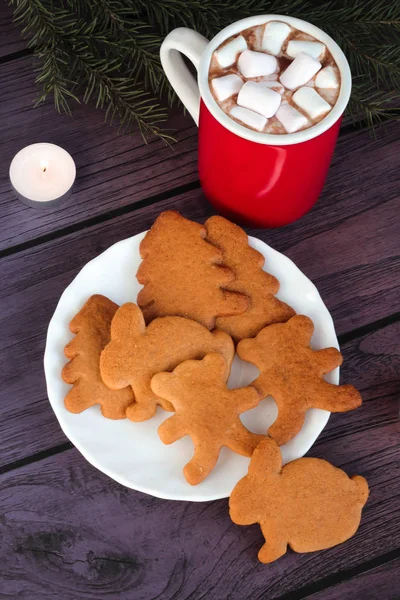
(308, 504)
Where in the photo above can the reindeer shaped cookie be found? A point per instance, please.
(308, 504)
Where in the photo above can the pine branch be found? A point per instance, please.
(108, 50)
(374, 108)
(133, 41)
(119, 97)
(367, 30)
(66, 48)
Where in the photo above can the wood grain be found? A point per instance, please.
(10, 37)
(69, 532)
(354, 262)
(113, 171)
(380, 582)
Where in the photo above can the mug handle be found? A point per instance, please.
(192, 44)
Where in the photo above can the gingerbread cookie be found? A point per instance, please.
(207, 411)
(250, 279)
(292, 373)
(183, 274)
(308, 504)
(91, 327)
(137, 352)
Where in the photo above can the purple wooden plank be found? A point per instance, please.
(354, 262)
(10, 37)
(381, 582)
(70, 533)
(33, 280)
(113, 171)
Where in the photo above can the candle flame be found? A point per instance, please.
(43, 165)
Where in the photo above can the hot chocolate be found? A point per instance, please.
(274, 78)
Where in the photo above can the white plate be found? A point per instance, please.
(131, 453)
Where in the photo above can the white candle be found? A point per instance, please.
(42, 173)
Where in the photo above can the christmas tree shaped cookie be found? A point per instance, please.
(308, 504)
(91, 327)
(292, 373)
(250, 279)
(183, 274)
(136, 352)
(207, 411)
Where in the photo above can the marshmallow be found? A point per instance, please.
(275, 34)
(226, 55)
(275, 85)
(328, 94)
(311, 102)
(226, 86)
(248, 117)
(256, 64)
(300, 71)
(256, 38)
(255, 96)
(314, 49)
(327, 78)
(290, 118)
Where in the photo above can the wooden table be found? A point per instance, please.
(68, 532)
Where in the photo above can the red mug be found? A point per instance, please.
(256, 178)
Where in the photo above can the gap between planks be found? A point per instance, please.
(16, 55)
(38, 456)
(118, 212)
(341, 576)
(349, 336)
(130, 208)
